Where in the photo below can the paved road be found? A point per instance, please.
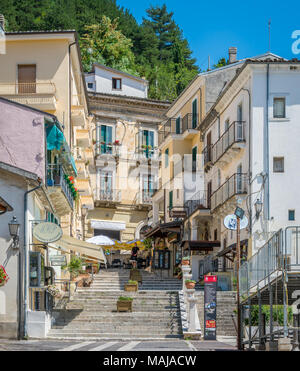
(149, 346)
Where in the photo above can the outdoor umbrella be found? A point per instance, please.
(101, 240)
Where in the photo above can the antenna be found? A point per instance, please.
(208, 63)
(269, 25)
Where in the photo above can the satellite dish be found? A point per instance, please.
(230, 222)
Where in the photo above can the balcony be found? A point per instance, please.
(59, 190)
(108, 196)
(39, 95)
(82, 172)
(103, 149)
(144, 198)
(236, 185)
(229, 144)
(207, 157)
(83, 138)
(197, 202)
(84, 187)
(78, 116)
(146, 153)
(187, 128)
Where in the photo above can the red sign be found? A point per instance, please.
(210, 324)
(210, 278)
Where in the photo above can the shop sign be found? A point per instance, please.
(58, 261)
(47, 232)
(210, 307)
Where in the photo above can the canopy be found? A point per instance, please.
(82, 247)
(108, 225)
(101, 240)
(55, 138)
(129, 245)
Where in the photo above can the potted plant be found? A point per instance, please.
(135, 275)
(132, 286)
(190, 284)
(54, 291)
(185, 260)
(124, 304)
(75, 267)
(3, 276)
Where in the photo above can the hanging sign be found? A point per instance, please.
(210, 307)
(58, 260)
(47, 232)
(230, 222)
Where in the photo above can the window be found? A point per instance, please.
(278, 164)
(194, 159)
(171, 200)
(90, 85)
(27, 78)
(148, 187)
(161, 259)
(292, 215)
(279, 108)
(106, 139)
(106, 185)
(117, 84)
(148, 143)
(194, 114)
(178, 125)
(167, 157)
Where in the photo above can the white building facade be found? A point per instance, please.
(107, 80)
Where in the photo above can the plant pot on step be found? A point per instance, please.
(131, 286)
(124, 305)
(185, 262)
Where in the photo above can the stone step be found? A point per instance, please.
(108, 336)
(90, 333)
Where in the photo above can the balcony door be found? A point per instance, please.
(209, 192)
(26, 78)
(106, 139)
(148, 142)
(239, 179)
(194, 114)
(239, 128)
(148, 187)
(106, 185)
(208, 143)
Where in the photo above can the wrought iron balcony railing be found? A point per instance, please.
(234, 134)
(198, 201)
(235, 185)
(56, 177)
(109, 195)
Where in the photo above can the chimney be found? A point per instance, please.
(232, 54)
(2, 21)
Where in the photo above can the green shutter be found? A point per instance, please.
(178, 128)
(167, 157)
(195, 113)
(171, 200)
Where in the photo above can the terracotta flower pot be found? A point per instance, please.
(190, 285)
(185, 262)
(124, 306)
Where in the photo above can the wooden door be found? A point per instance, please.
(26, 78)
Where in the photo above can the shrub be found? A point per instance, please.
(124, 298)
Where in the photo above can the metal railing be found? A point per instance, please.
(189, 121)
(147, 152)
(198, 201)
(235, 185)
(144, 197)
(107, 149)
(207, 154)
(235, 133)
(111, 195)
(27, 88)
(56, 178)
(280, 254)
(263, 264)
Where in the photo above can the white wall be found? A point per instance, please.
(102, 80)
(284, 137)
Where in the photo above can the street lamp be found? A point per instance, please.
(14, 230)
(258, 208)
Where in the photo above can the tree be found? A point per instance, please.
(105, 44)
(221, 63)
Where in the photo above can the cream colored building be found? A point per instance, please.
(127, 163)
(43, 70)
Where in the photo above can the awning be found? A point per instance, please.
(232, 248)
(106, 225)
(84, 248)
(162, 230)
(200, 245)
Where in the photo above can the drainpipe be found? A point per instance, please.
(266, 152)
(26, 245)
(250, 162)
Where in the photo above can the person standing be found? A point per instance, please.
(134, 255)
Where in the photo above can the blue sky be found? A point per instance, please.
(212, 27)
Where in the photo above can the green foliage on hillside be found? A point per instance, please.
(109, 34)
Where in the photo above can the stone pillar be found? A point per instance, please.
(192, 309)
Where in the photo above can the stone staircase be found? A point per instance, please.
(92, 312)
